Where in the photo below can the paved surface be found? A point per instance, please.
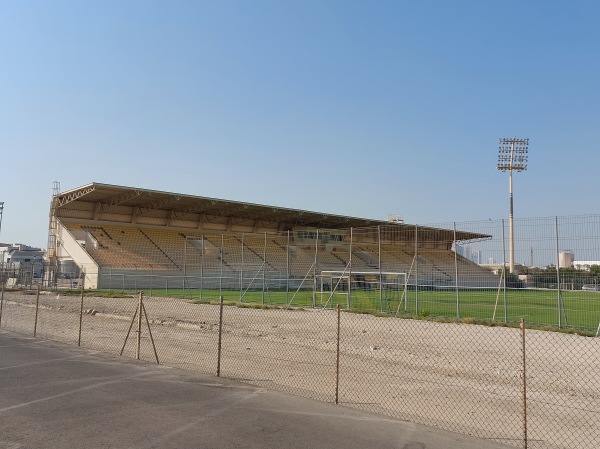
(56, 396)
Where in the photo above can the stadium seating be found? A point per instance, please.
(139, 248)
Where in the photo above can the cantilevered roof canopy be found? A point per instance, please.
(104, 197)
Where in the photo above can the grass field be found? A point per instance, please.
(578, 311)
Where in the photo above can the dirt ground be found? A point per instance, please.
(459, 377)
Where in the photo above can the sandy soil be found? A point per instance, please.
(463, 378)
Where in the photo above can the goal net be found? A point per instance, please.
(361, 289)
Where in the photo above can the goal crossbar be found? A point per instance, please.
(386, 280)
(369, 273)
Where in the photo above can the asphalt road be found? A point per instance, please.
(55, 396)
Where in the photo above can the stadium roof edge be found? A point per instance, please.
(148, 199)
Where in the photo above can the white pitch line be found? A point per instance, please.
(158, 442)
(42, 362)
(77, 390)
(328, 415)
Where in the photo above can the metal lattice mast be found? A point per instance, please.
(51, 252)
(512, 156)
(1, 213)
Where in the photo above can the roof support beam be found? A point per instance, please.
(115, 201)
(201, 220)
(97, 210)
(68, 197)
(119, 199)
(170, 217)
(148, 207)
(135, 214)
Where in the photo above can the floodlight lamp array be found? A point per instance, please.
(512, 154)
(511, 140)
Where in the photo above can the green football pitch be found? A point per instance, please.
(576, 310)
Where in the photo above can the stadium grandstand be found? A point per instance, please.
(135, 236)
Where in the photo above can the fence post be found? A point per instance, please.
(202, 268)
(185, 267)
(523, 384)
(149, 329)
(221, 273)
(349, 295)
(81, 310)
(264, 271)
(504, 272)
(456, 275)
(380, 275)
(560, 318)
(139, 327)
(337, 358)
(37, 305)
(416, 271)
(314, 292)
(242, 268)
(220, 336)
(287, 268)
(1, 299)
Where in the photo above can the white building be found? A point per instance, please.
(585, 264)
(21, 256)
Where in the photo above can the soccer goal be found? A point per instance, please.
(369, 290)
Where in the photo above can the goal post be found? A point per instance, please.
(365, 289)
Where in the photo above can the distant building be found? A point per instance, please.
(585, 264)
(468, 255)
(566, 259)
(395, 218)
(497, 268)
(20, 256)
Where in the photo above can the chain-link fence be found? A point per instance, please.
(549, 274)
(461, 377)
(419, 323)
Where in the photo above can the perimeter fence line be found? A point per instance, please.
(461, 274)
(464, 378)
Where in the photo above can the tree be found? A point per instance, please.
(512, 280)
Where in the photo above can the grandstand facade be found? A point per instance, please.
(126, 235)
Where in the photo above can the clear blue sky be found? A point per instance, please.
(356, 108)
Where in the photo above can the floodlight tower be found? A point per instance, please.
(512, 156)
(1, 212)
